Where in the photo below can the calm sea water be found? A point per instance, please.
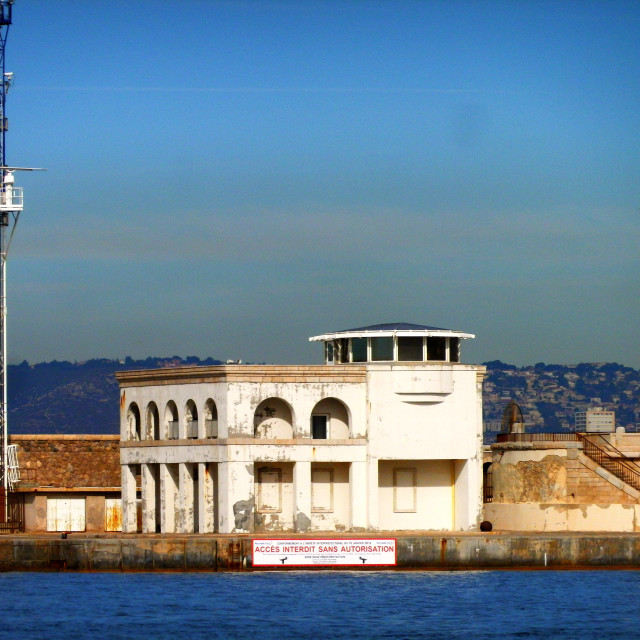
(477, 605)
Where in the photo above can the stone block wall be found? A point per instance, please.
(68, 461)
(586, 486)
(553, 473)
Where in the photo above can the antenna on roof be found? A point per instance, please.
(11, 203)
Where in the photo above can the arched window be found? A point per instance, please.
(133, 422)
(487, 482)
(191, 419)
(153, 422)
(330, 419)
(273, 419)
(210, 419)
(171, 421)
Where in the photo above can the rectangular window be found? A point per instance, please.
(319, 426)
(328, 352)
(410, 349)
(269, 490)
(454, 349)
(436, 349)
(342, 349)
(404, 490)
(382, 348)
(322, 490)
(358, 349)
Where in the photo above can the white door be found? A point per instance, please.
(66, 514)
(112, 514)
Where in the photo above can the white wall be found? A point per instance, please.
(424, 413)
(424, 502)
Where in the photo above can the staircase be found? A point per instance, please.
(608, 457)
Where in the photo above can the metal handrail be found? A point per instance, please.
(537, 437)
(610, 446)
(614, 465)
(11, 199)
(621, 466)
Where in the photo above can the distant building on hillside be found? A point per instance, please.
(595, 420)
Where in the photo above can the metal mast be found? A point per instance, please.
(10, 208)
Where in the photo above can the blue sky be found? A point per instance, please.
(227, 179)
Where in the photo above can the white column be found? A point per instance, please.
(373, 494)
(302, 496)
(358, 494)
(168, 491)
(129, 506)
(148, 481)
(467, 494)
(206, 497)
(236, 498)
(186, 500)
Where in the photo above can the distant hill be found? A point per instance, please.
(82, 397)
(550, 394)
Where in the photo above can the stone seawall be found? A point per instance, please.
(80, 552)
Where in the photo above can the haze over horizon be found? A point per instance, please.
(226, 179)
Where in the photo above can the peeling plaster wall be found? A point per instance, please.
(333, 516)
(429, 414)
(545, 487)
(563, 517)
(244, 399)
(178, 393)
(274, 497)
(543, 479)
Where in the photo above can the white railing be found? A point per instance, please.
(11, 199)
(173, 430)
(13, 468)
(211, 427)
(192, 429)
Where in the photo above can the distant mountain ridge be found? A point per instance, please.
(82, 397)
(550, 394)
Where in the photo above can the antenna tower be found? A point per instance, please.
(10, 208)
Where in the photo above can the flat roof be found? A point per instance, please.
(401, 329)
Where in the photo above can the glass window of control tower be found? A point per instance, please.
(410, 349)
(454, 349)
(436, 348)
(358, 349)
(382, 348)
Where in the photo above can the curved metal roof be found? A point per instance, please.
(402, 329)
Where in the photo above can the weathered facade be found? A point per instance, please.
(386, 435)
(69, 482)
(553, 484)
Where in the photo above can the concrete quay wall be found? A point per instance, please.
(229, 553)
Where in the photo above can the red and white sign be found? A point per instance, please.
(333, 552)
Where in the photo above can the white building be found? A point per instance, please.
(595, 420)
(386, 435)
